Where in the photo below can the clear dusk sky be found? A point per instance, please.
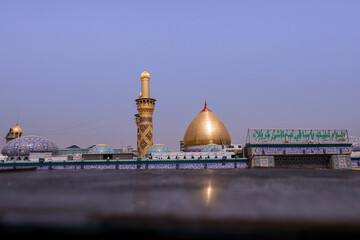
(69, 70)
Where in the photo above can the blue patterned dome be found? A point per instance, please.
(24, 145)
(101, 148)
(356, 143)
(157, 148)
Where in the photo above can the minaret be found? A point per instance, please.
(145, 107)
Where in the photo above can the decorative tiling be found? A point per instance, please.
(157, 148)
(318, 161)
(149, 135)
(341, 162)
(144, 166)
(143, 144)
(263, 161)
(162, 166)
(145, 119)
(24, 145)
(143, 127)
(300, 150)
(211, 148)
(101, 149)
(355, 163)
(203, 148)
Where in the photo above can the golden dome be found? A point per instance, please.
(16, 129)
(206, 129)
(145, 74)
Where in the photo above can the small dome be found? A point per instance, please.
(145, 74)
(22, 146)
(157, 148)
(206, 129)
(16, 131)
(101, 149)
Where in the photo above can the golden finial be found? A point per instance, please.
(204, 106)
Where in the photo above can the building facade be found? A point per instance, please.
(305, 148)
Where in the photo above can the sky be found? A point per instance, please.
(70, 70)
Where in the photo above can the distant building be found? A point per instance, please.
(73, 150)
(96, 152)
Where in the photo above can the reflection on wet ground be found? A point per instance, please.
(223, 203)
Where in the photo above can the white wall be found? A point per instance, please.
(34, 156)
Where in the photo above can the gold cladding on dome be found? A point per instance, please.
(16, 129)
(145, 74)
(206, 129)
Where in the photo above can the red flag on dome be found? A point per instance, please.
(204, 106)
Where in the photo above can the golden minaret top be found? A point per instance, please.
(145, 84)
(145, 74)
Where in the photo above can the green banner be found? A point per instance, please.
(297, 135)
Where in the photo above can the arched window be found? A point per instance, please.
(16, 135)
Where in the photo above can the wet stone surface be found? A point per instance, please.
(235, 197)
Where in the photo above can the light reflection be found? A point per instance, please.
(208, 194)
(142, 189)
(206, 189)
(209, 127)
